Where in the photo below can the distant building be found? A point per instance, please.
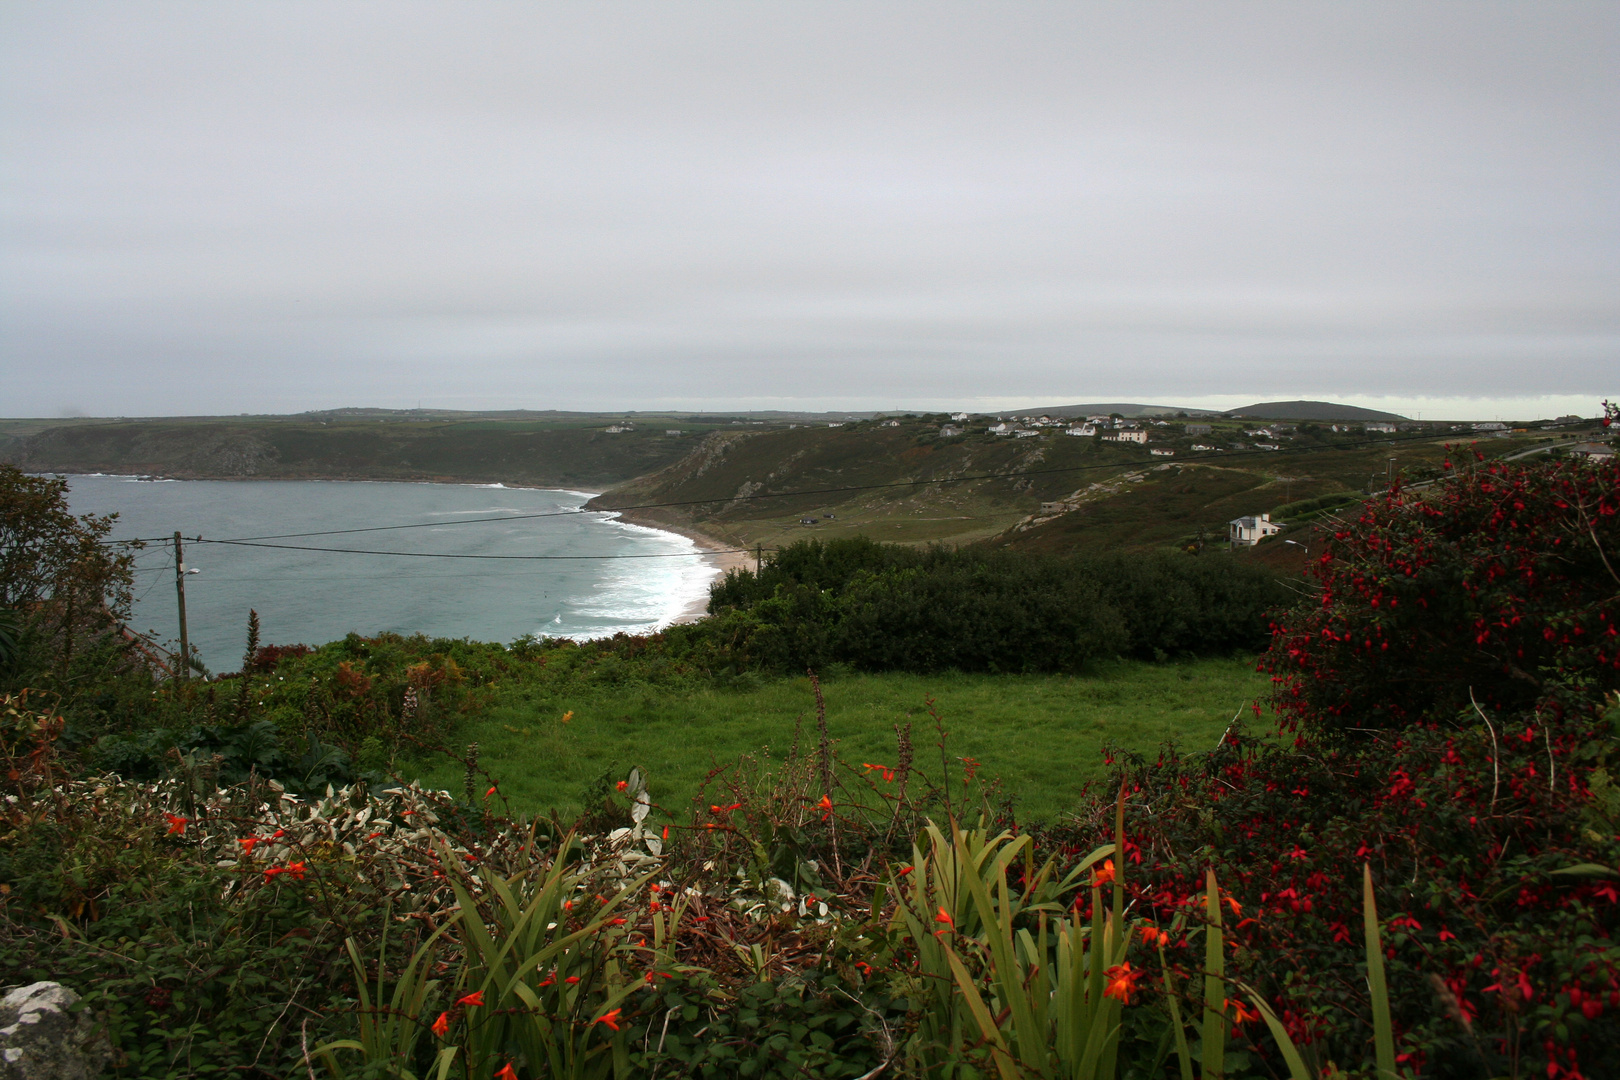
(959, 416)
(1126, 436)
(1026, 434)
(678, 431)
(1158, 451)
(1002, 428)
(1248, 531)
(949, 431)
(1592, 451)
(835, 423)
(807, 521)
(1379, 427)
(1490, 425)
(1198, 429)
(1200, 447)
(1080, 429)
(1048, 509)
(891, 423)
(614, 429)
(1267, 446)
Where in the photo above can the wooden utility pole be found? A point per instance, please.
(180, 594)
(759, 558)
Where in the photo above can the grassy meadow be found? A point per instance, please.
(1042, 736)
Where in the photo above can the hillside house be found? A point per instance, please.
(890, 423)
(1159, 451)
(1199, 429)
(1002, 428)
(1249, 531)
(1126, 436)
(959, 416)
(1490, 425)
(949, 431)
(1379, 428)
(614, 429)
(1592, 451)
(678, 431)
(1026, 434)
(1080, 429)
(1200, 447)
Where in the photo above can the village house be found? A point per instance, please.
(1248, 531)
(1002, 428)
(1199, 447)
(1159, 451)
(949, 431)
(1198, 429)
(959, 416)
(1126, 436)
(1080, 429)
(1591, 451)
(1379, 428)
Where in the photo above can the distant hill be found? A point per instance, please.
(1311, 410)
(1123, 408)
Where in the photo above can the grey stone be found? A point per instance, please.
(41, 1039)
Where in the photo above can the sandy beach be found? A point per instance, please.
(724, 557)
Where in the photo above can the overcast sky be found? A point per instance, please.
(228, 207)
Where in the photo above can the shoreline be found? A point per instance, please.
(720, 555)
(725, 558)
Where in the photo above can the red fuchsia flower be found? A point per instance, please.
(295, 870)
(474, 998)
(611, 1019)
(441, 1026)
(507, 1072)
(1121, 982)
(177, 824)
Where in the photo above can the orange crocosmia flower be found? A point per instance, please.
(611, 1019)
(571, 979)
(1244, 1014)
(945, 921)
(507, 1072)
(624, 785)
(247, 843)
(487, 794)
(441, 1026)
(177, 824)
(1237, 908)
(474, 998)
(1150, 935)
(1105, 876)
(1121, 982)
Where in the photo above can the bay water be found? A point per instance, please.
(630, 578)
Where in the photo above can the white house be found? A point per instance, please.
(959, 416)
(1387, 429)
(1199, 447)
(1248, 531)
(1002, 428)
(1592, 451)
(1158, 451)
(614, 429)
(1026, 434)
(949, 431)
(1126, 436)
(1080, 429)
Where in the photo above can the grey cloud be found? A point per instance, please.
(593, 205)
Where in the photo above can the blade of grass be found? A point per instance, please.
(1383, 1029)
(1214, 1021)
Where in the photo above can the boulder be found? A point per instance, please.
(41, 1038)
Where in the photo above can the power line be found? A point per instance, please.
(449, 555)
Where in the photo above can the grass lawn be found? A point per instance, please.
(1042, 735)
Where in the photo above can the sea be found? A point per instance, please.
(562, 571)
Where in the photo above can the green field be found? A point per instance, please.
(1042, 736)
